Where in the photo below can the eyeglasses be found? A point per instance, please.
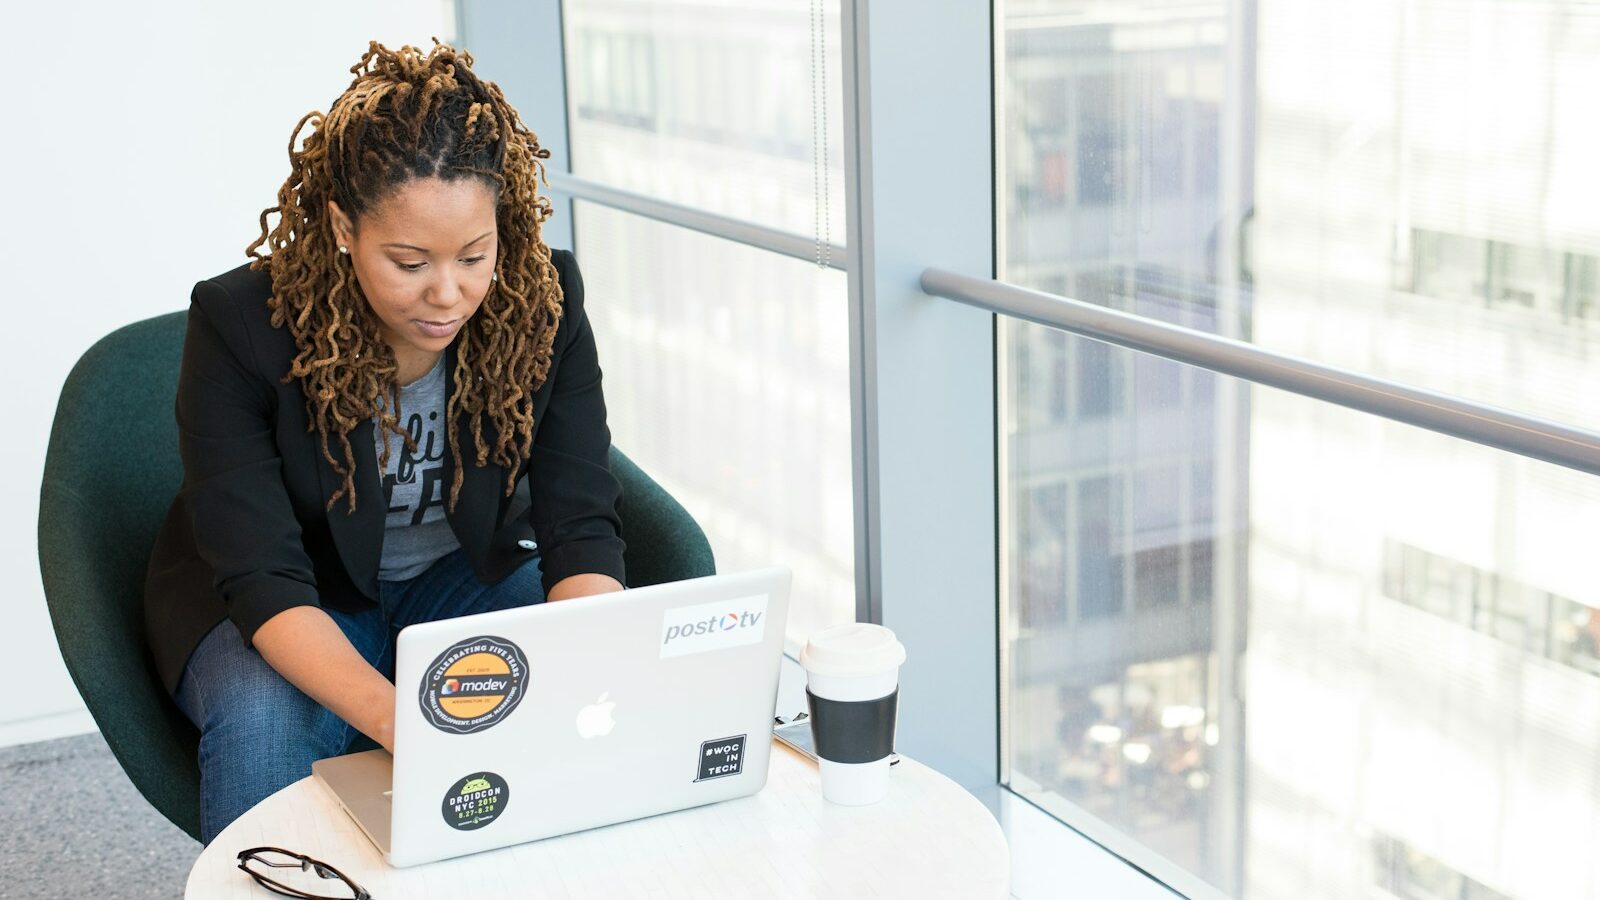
(277, 858)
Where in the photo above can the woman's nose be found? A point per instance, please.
(448, 293)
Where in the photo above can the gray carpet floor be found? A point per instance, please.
(72, 825)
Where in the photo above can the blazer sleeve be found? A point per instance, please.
(574, 495)
(243, 523)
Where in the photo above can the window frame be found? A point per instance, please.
(926, 483)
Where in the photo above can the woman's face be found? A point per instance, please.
(424, 255)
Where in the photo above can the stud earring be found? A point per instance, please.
(495, 276)
(344, 249)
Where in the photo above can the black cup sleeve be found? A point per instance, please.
(853, 731)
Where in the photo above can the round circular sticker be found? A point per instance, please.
(475, 801)
(474, 684)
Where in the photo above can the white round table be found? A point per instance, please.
(928, 838)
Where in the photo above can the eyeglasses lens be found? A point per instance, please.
(298, 877)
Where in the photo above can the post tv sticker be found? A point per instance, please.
(475, 801)
(721, 758)
(474, 684)
(713, 626)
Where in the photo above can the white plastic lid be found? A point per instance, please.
(857, 648)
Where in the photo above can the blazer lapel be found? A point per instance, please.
(358, 535)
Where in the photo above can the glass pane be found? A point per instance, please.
(1405, 189)
(1297, 650)
(727, 110)
(728, 380)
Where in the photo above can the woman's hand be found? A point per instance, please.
(583, 585)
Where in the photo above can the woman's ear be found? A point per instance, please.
(341, 223)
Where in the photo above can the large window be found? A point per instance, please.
(1290, 649)
(711, 107)
(727, 367)
(728, 380)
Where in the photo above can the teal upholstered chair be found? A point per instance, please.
(112, 469)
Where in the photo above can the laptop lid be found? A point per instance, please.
(526, 723)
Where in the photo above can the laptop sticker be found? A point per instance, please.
(475, 801)
(474, 684)
(713, 626)
(721, 758)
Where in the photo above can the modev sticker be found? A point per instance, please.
(475, 801)
(713, 626)
(474, 684)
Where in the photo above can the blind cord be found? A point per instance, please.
(819, 135)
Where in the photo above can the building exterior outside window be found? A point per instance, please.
(1294, 649)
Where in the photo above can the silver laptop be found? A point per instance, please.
(527, 723)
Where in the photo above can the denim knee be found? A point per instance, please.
(258, 732)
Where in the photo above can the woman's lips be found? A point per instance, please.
(437, 329)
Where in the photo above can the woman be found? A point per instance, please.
(408, 311)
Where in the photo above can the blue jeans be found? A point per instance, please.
(259, 733)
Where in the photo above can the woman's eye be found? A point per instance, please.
(417, 267)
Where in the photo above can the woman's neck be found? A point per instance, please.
(410, 367)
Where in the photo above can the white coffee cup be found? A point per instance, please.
(852, 670)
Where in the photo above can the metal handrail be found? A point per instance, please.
(1564, 445)
(775, 240)
(1492, 426)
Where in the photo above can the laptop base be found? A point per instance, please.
(361, 782)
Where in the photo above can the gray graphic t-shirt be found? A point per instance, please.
(416, 532)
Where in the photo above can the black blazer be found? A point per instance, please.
(247, 535)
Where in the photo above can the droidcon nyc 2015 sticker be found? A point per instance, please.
(475, 801)
(474, 684)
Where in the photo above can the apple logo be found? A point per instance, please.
(595, 719)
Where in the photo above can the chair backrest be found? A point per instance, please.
(111, 470)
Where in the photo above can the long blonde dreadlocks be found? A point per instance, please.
(403, 117)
